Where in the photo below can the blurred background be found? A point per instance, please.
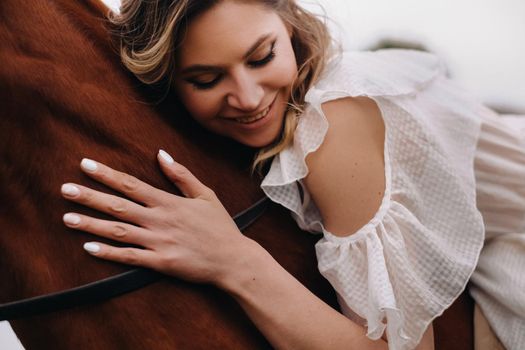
(482, 43)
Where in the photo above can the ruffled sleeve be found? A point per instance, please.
(414, 257)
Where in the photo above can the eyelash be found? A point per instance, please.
(265, 60)
(254, 64)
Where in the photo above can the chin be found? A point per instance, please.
(257, 143)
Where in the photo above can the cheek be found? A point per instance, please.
(285, 68)
(202, 107)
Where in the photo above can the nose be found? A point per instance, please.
(246, 93)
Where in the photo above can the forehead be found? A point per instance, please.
(226, 31)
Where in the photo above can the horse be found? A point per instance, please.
(65, 95)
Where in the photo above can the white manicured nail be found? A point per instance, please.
(70, 190)
(166, 156)
(88, 165)
(71, 219)
(92, 247)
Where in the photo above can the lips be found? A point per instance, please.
(253, 118)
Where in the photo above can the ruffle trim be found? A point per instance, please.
(382, 73)
(377, 295)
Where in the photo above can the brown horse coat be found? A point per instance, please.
(64, 95)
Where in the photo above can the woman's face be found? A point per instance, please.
(234, 72)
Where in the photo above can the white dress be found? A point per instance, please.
(453, 169)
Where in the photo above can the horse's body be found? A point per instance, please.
(64, 96)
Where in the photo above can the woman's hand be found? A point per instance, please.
(191, 237)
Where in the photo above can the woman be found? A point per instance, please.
(376, 150)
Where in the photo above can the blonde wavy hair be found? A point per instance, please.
(150, 31)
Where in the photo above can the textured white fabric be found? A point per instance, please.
(498, 284)
(415, 256)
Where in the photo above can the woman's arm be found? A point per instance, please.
(346, 176)
(287, 313)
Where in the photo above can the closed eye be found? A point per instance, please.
(205, 82)
(265, 60)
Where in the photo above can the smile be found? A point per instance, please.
(251, 119)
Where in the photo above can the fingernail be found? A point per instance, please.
(166, 156)
(71, 219)
(92, 247)
(70, 190)
(88, 165)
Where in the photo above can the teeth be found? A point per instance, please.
(251, 119)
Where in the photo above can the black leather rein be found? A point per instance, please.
(106, 288)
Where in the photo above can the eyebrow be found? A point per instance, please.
(255, 46)
(206, 68)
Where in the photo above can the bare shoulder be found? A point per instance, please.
(346, 174)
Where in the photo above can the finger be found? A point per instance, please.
(182, 177)
(129, 256)
(122, 182)
(113, 205)
(114, 230)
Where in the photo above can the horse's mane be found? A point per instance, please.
(63, 96)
